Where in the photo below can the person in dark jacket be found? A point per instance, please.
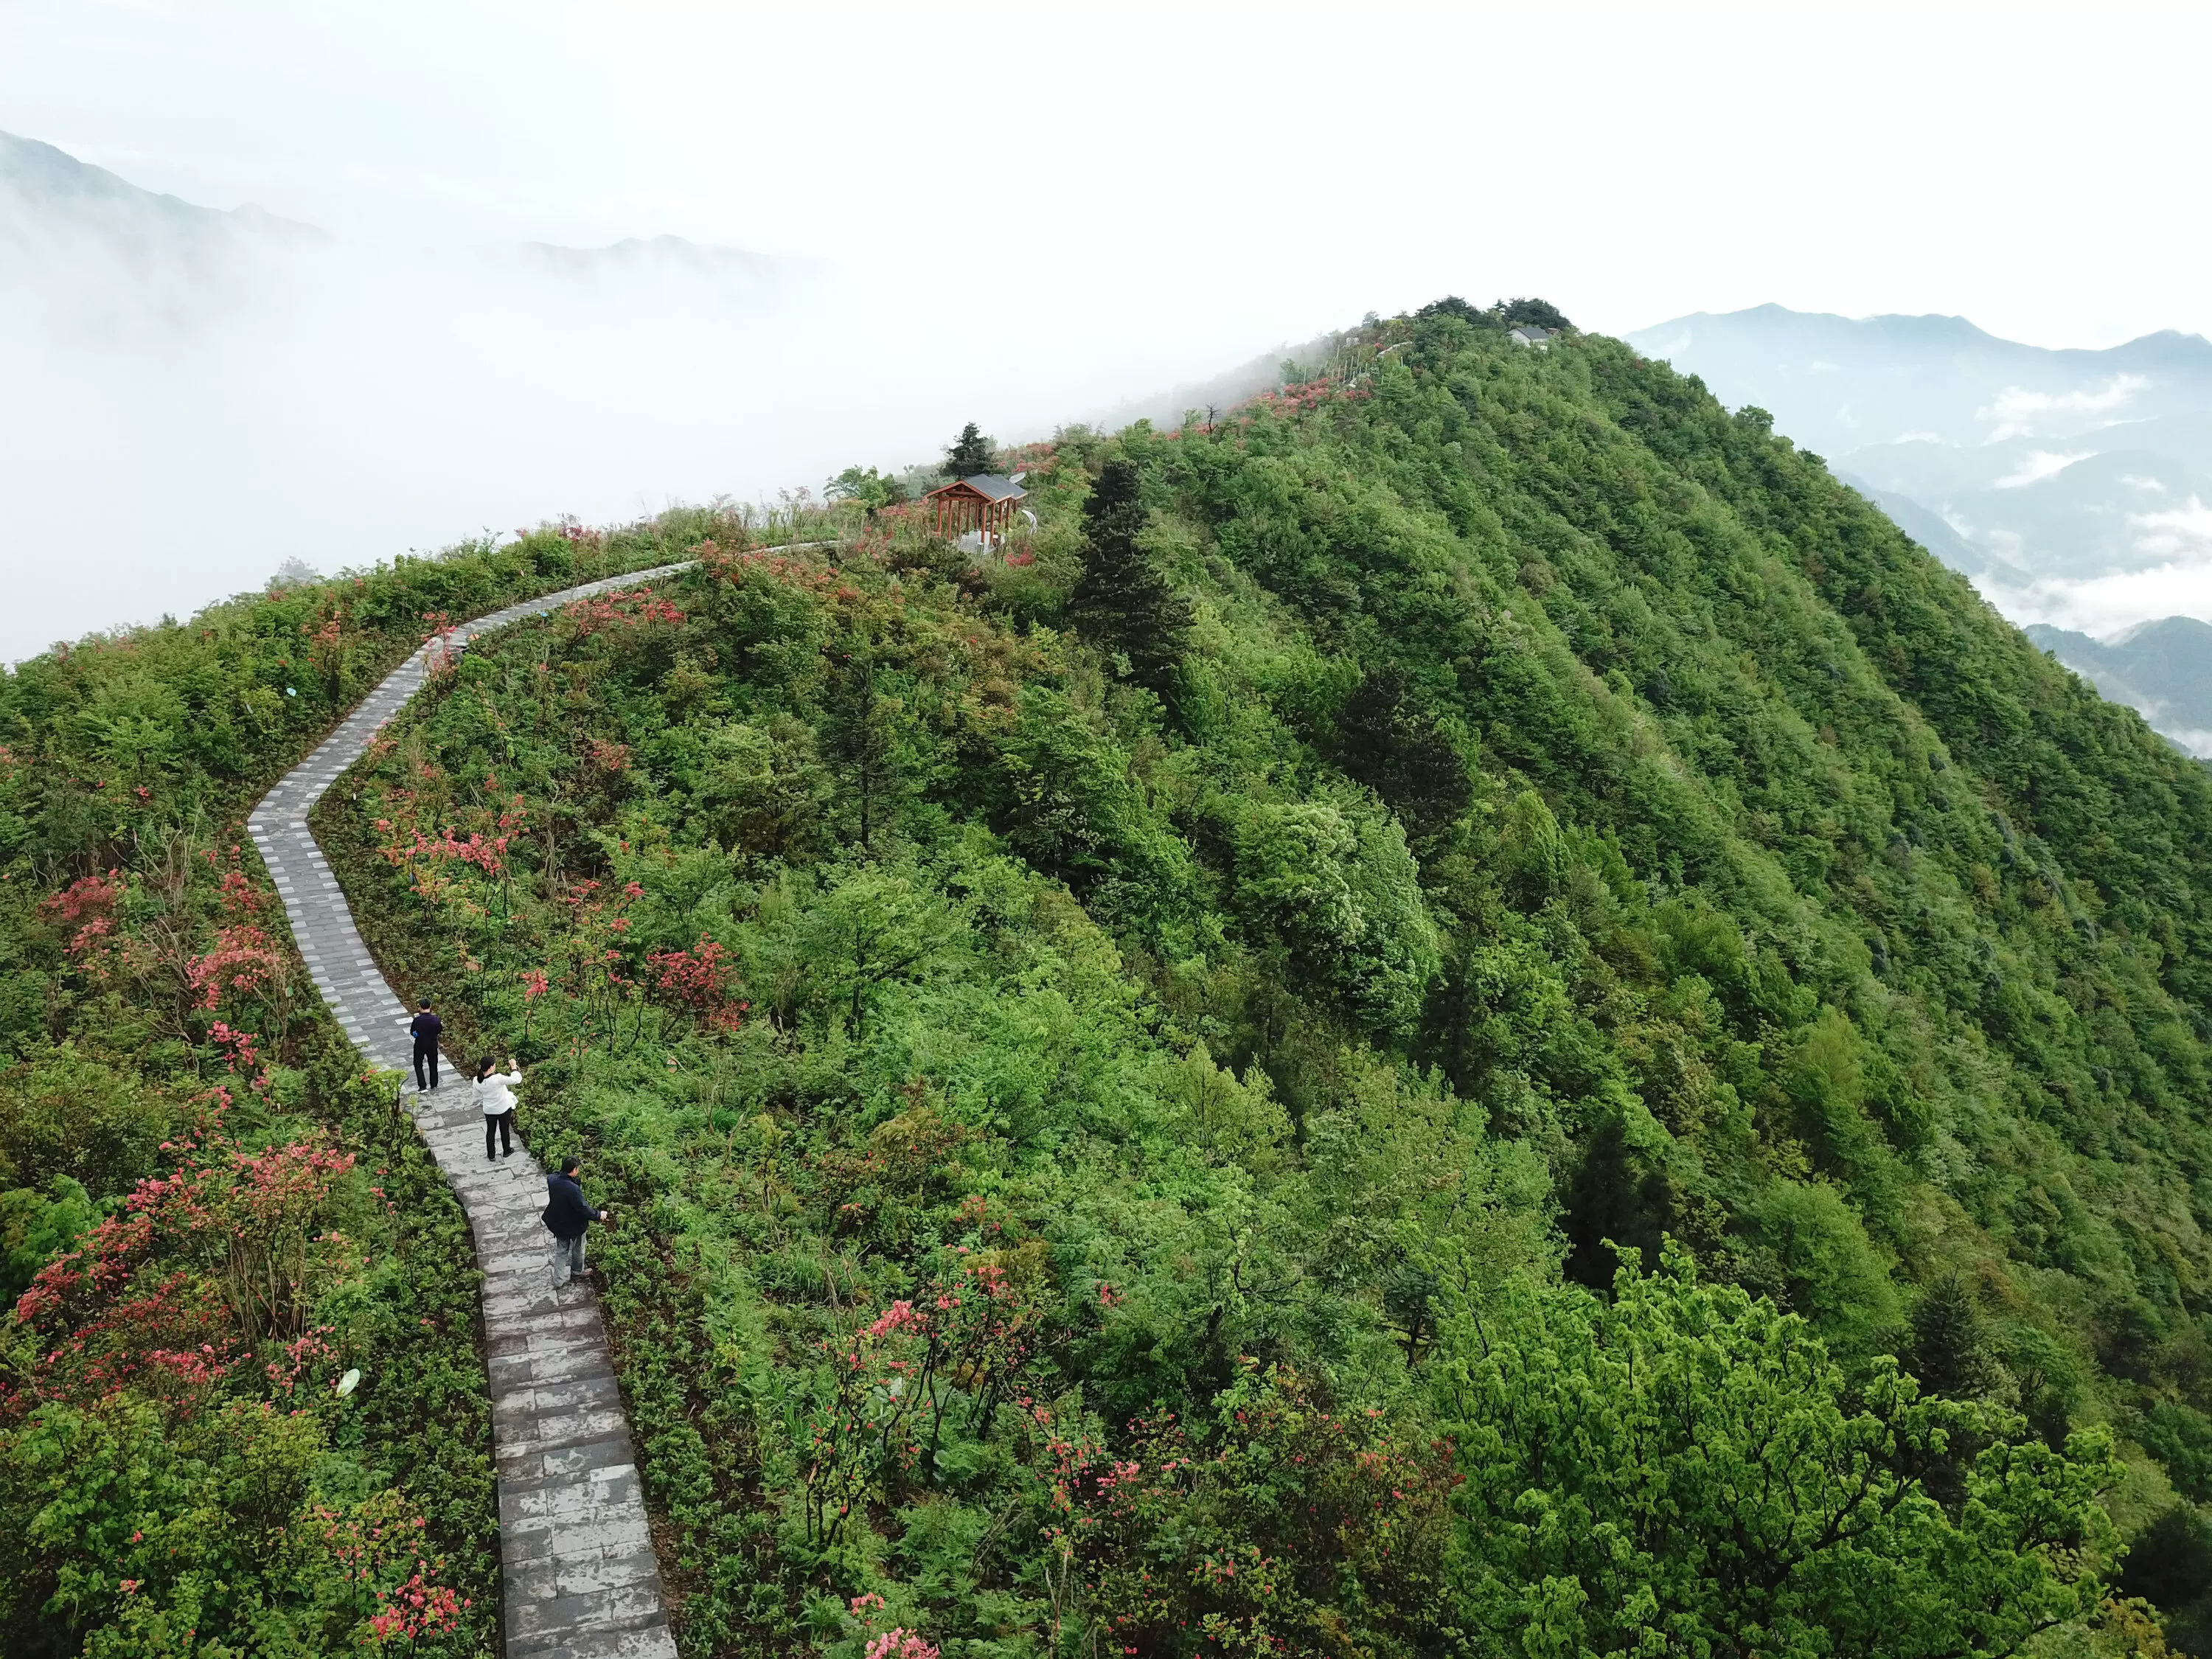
(567, 1215)
(424, 1031)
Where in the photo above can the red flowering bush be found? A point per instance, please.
(941, 1360)
(442, 656)
(701, 980)
(88, 913)
(602, 613)
(229, 1251)
(390, 1578)
(243, 966)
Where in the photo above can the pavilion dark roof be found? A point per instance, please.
(988, 485)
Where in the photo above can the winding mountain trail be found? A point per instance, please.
(580, 1575)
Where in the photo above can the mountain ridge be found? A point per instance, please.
(44, 178)
(2163, 668)
(1915, 326)
(2069, 482)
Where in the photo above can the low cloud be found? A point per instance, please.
(170, 436)
(2179, 533)
(2036, 466)
(2015, 410)
(2103, 605)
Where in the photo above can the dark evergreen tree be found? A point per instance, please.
(1396, 749)
(1408, 1297)
(1542, 313)
(1452, 306)
(1123, 603)
(2170, 1566)
(1616, 1197)
(859, 743)
(970, 454)
(1948, 1356)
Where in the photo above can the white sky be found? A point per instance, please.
(1272, 169)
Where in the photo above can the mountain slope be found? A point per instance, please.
(2070, 485)
(54, 208)
(1207, 991)
(2162, 668)
(242, 1399)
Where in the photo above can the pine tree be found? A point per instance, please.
(1947, 1340)
(970, 454)
(1396, 749)
(860, 743)
(1124, 603)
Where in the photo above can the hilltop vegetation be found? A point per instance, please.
(209, 1215)
(1469, 1010)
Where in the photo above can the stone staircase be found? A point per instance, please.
(577, 1563)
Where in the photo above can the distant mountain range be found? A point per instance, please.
(48, 199)
(2162, 668)
(2075, 486)
(71, 226)
(214, 380)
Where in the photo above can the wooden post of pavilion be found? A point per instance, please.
(984, 503)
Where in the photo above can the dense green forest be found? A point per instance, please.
(1465, 1011)
(210, 1216)
(1469, 1010)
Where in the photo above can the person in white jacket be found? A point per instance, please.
(496, 1099)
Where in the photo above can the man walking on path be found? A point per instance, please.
(568, 1215)
(496, 1099)
(425, 1029)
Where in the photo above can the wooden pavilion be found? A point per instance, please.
(985, 503)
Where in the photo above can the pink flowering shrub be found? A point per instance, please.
(925, 1365)
(895, 1642)
(226, 1253)
(244, 963)
(391, 1579)
(604, 612)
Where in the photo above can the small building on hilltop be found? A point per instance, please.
(985, 503)
(1530, 334)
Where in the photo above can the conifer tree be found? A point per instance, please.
(1396, 748)
(970, 454)
(1947, 1340)
(859, 741)
(1124, 603)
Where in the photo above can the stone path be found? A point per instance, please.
(579, 1566)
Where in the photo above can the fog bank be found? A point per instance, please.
(194, 396)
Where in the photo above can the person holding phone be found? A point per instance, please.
(496, 1099)
(567, 1216)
